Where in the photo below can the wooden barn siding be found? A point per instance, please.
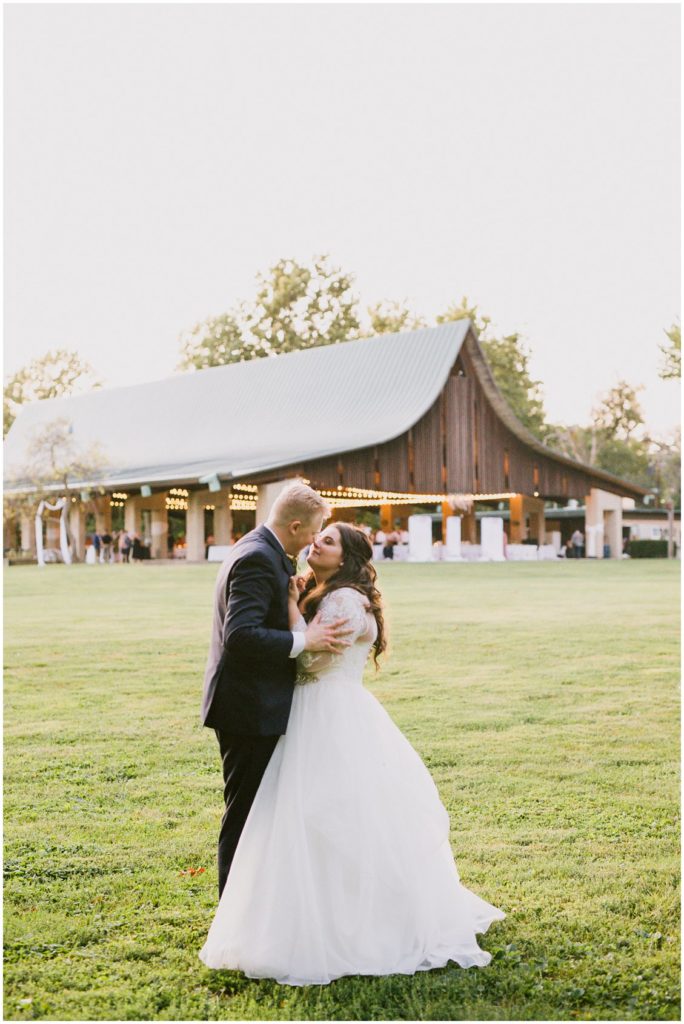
(359, 467)
(427, 451)
(494, 438)
(469, 416)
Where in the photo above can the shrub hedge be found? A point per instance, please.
(648, 549)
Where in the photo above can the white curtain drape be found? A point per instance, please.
(60, 505)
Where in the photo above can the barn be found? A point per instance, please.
(396, 423)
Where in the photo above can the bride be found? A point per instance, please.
(344, 865)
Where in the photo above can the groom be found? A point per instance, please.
(250, 673)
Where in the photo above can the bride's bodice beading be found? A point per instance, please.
(348, 665)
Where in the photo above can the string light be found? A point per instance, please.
(360, 497)
(244, 498)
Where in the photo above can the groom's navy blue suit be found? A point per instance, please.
(249, 679)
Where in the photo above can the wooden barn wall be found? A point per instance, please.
(492, 439)
(427, 452)
(476, 443)
(358, 469)
(460, 452)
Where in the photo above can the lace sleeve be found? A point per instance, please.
(345, 603)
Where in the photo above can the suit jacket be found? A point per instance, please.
(249, 678)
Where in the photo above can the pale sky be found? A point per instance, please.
(158, 156)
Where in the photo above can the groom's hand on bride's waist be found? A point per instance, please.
(327, 636)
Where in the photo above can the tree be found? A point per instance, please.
(216, 341)
(619, 414)
(54, 462)
(671, 368)
(614, 441)
(628, 459)
(295, 307)
(56, 374)
(53, 467)
(390, 317)
(508, 358)
(666, 468)
(466, 312)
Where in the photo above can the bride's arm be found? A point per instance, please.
(345, 603)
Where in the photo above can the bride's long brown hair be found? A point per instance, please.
(357, 572)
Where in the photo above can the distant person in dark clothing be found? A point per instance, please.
(125, 545)
(391, 540)
(106, 547)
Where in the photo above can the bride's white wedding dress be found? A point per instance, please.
(344, 865)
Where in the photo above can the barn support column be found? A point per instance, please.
(447, 513)
(469, 528)
(194, 527)
(266, 496)
(132, 516)
(159, 523)
(9, 532)
(223, 521)
(523, 508)
(537, 519)
(103, 515)
(77, 529)
(603, 523)
(517, 520)
(27, 525)
(386, 518)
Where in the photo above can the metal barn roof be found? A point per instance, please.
(254, 416)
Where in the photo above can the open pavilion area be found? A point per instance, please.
(542, 696)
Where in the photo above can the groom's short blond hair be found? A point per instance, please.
(298, 501)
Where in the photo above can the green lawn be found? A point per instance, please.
(544, 699)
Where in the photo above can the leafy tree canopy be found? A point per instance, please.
(665, 468)
(391, 317)
(466, 312)
(671, 350)
(295, 307)
(614, 441)
(53, 460)
(55, 374)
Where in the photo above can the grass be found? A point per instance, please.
(542, 697)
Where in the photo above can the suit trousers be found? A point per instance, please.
(244, 759)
